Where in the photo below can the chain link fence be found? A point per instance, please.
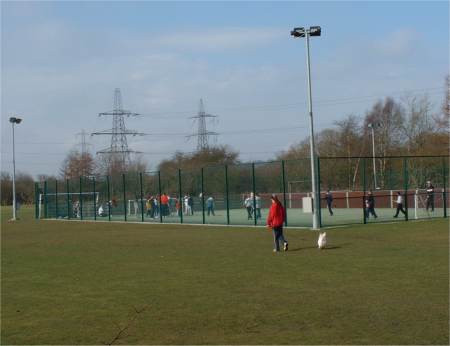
(352, 190)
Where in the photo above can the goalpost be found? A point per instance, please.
(134, 206)
(88, 203)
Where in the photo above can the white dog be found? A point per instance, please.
(322, 241)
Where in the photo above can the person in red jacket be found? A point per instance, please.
(275, 221)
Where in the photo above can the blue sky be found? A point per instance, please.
(62, 60)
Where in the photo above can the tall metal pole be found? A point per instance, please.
(373, 158)
(14, 175)
(316, 224)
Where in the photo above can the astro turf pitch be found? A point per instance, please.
(101, 283)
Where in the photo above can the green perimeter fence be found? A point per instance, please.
(240, 194)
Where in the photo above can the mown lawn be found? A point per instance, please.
(102, 283)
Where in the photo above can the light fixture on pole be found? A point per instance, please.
(302, 32)
(14, 120)
(371, 127)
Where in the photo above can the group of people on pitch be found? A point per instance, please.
(369, 202)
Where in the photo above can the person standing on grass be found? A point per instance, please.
(370, 205)
(275, 220)
(19, 201)
(329, 199)
(399, 202)
(430, 196)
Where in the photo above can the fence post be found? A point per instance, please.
(109, 198)
(254, 193)
(283, 180)
(45, 199)
(181, 197)
(95, 198)
(124, 197)
(68, 200)
(364, 191)
(226, 195)
(318, 203)
(56, 198)
(405, 185)
(81, 199)
(444, 193)
(203, 197)
(36, 200)
(142, 197)
(159, 191)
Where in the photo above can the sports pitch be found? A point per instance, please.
(115, 283)
(295, 216)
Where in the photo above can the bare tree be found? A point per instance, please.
(388, 117)
(77, 165)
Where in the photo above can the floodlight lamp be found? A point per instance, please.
(298, 32)
(15, 120)
(315, 31)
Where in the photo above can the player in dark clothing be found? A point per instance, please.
(430, 196)
(329, 199)
(370, 205)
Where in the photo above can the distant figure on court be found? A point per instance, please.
(148, 206)
(370, 205)
(191, 204)
(248, 204)
(430, 196)
(178, 206)
(275, 220)
(136, 205)
(399, 202)
(76, 209)
(329, 199)
(101, 211)
(258, 206)
(164, 205)
(210, 205)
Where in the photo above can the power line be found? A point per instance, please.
(318, 103)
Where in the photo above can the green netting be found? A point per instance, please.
(240, 189)
(298, 185)
(215, 195)
(150, 187)
(240, 194)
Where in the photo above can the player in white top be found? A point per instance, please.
(399, 202)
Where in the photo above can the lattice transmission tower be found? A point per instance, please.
(202, 133)
(118, 151)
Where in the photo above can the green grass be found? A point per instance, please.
(81, 283)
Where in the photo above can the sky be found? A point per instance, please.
(61, 61)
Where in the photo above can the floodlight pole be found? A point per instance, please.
(14, 173)
(373, 156)
(311, 140)
(14, 120)
(304, 32)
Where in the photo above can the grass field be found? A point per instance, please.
(113, 283)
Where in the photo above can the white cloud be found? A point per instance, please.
(221, 39)
(398, 44)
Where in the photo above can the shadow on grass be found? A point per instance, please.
(315, 247)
